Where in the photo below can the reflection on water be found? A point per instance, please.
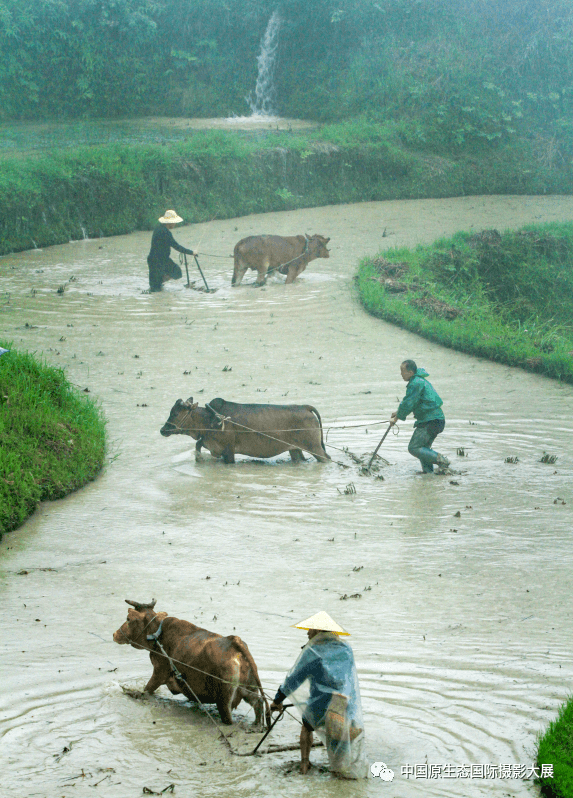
(460, 623)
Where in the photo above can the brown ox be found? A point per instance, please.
(201, 665)
(228, 428)
(267, 254)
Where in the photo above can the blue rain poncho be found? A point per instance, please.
(323, 684)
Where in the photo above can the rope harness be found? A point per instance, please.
(305, 252)
(177, 674)
(181, 680)
(298, 257)
(210, 255)
(308, 239)
(264, 434)
(223, 419)
(271, 727)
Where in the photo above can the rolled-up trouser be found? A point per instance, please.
(158, 273)
(422, 440)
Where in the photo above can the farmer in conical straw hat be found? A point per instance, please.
(323, 684)
(161, 267)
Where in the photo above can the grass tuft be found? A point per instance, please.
(52, 439)
(507, 297)
(556, 748)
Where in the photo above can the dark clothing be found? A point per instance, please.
(158, 260)
(434, 427)
(158, 274)
(420, 445)
(162, 242)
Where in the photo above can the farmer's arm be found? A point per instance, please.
(305, 669)
(413, 393)
(173, 243)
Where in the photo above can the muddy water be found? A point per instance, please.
(459, 587)
(18, 139)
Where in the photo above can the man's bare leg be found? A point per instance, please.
(305, 746)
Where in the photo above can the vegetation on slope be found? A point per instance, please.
(450, 72)
(507, 297)
(417, 99)
(52, 439)
(102, 190)
(451, 75)
(556, 747)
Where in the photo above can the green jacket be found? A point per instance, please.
(421, 399)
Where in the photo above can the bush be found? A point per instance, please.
(52, 439)
(556, 747)
(61, 193)
(505, 297)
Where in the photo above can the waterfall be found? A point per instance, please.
(265, 92)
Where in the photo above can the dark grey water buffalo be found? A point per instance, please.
(266, 254)
(228, 428)
(190, 660)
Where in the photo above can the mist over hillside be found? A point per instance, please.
(444, 75)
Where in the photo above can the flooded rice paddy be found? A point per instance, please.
(22, 138)
(456, 589)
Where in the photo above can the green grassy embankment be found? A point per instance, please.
(54, 195)
(507, 297)
(52, 439)
(556, 748)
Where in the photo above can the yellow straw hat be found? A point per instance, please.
(170, 218)
(323, 622)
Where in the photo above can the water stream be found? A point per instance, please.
(461, 624)
(264, 100)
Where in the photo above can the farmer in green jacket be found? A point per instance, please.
(422, 400)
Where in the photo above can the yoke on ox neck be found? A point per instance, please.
(156, 635)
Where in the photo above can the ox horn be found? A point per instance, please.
(139, 606)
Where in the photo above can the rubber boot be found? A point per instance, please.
(427, 457)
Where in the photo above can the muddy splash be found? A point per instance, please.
(456, 589)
